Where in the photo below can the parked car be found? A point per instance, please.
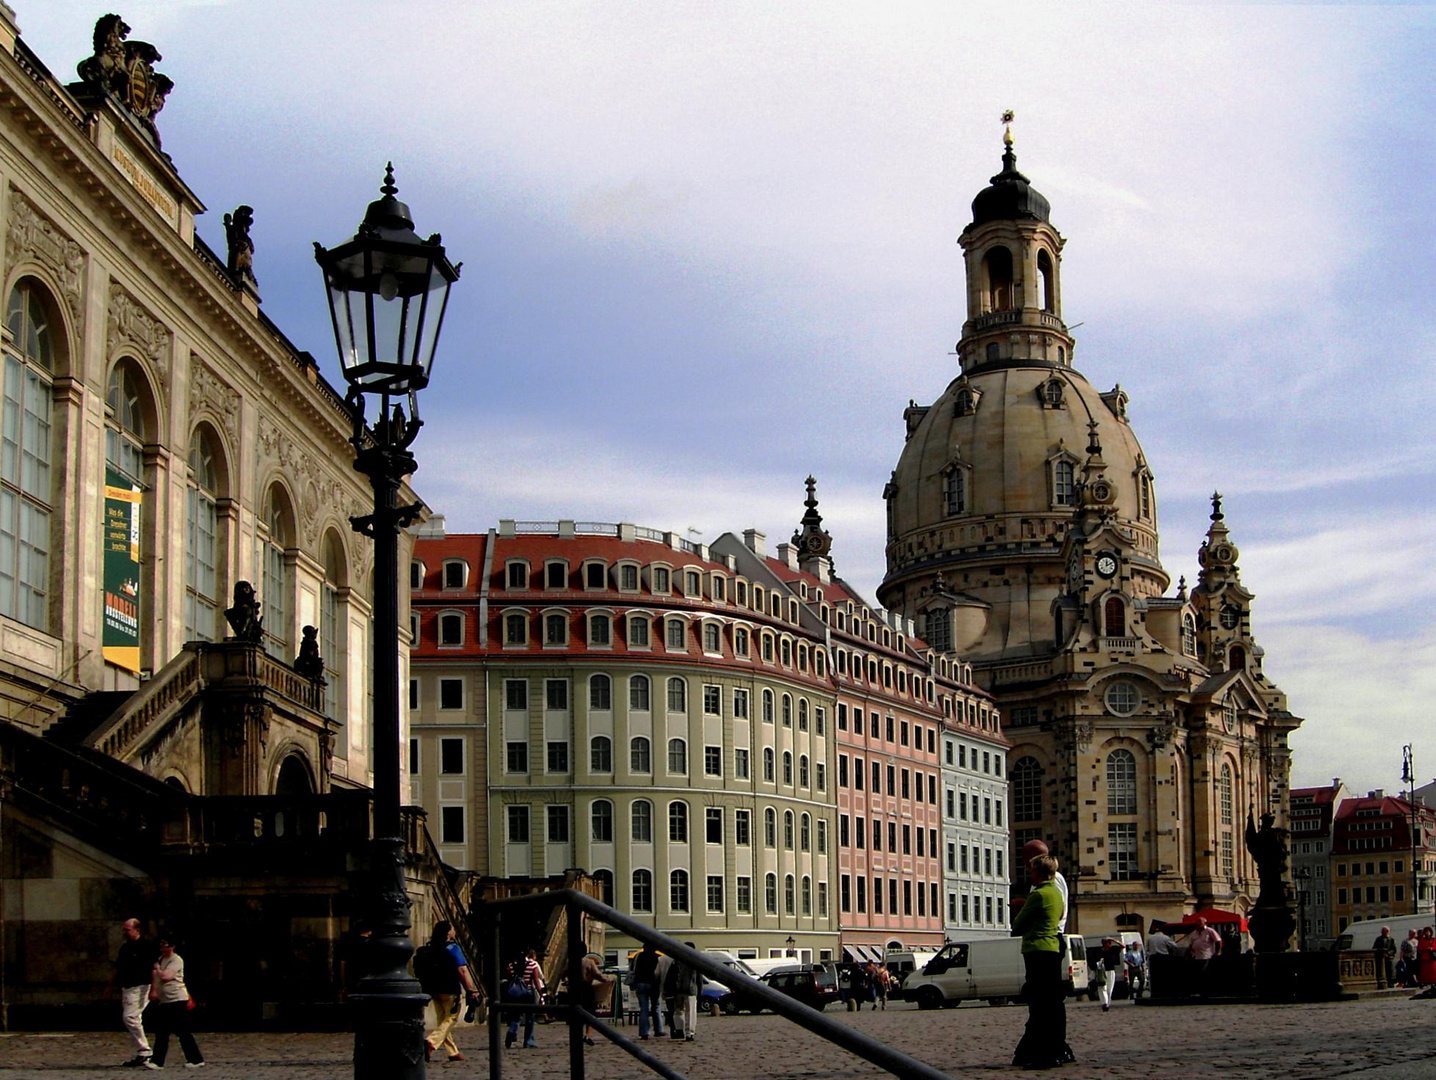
(812, 984)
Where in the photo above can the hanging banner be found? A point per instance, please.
(121, 641)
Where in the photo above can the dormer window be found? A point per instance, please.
(518, 575)
(416, 574)
(692, 584)
(1052, 394)
(660, 579)
(456, 573)
(595, 575)
(628, 577)
(555, 575)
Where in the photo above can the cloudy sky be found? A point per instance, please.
(711, 247)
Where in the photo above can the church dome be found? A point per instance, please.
(1009, 196)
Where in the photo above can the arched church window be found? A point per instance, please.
(1121, 782)
(1064, 488)
(275, 541)
(1144, 486)
(1224, 795)
(1046, 281)
(25, 484)
(937, 628)
(1026, 778)
(1114, 617)
(1189, 635)
(997, 266)
(201, 541)
(1238, 659)
(125, 433)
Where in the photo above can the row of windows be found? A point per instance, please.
(800, 832)
(782, 708)
(901, 733)
(974, 910)
(856, 899)
(957, 807)
(926, 838)
(1027, 780)
(1372, 868)
(911, 786)
(640, 761)
(984, 860)
(958, 755)
(1374, 894)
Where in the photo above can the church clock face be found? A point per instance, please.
(1107, 564)
(1230, 617)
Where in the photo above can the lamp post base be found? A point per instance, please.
(388, 1008)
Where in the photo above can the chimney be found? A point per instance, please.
(756, 542)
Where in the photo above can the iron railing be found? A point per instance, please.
(490, 917)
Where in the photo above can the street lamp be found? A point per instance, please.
(792, 946)
(1408, 774)
(387, 293)
(1303, 879)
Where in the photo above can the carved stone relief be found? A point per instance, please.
(316, 491)
(208, 392)
(29, 235)
(130, 324)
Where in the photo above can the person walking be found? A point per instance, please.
(685, 984)
(525, 985)
(647, 987)
(172, 1005)
(1406, 965)
(870, 986)
(1110, 960)
(884, 982)
(1044, 1041)
(594, 980)
(134, 969)
(443, 974)
(1135, 963)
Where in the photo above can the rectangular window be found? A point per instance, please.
(451, 693)
(962, 806)
(842, 717)
(518, 576)
(740, 704)
(858, 722)
(822, 836)
(451, 824)
(713, 824)
(862, 884)
(712, 761)
(413, 757)
(740, 763)
(907, 839)
(845, 893)
(892, 895)
(904, 732)
(517, 757)
(1122, 851)
(842, 770)
(518, 824)
(822, 777)
(877, 896)
(558, 757)
(906, 784)
(413, 693)
(558, 824)
(843, 826)
(628, 577)
(877, 778)
(556, 694)
(451, 756)
(674, 634)
(712, 700)
(744, 897)
(742, 825)
(892, 779)
(516, 694)
(638, 632)
(952, 858)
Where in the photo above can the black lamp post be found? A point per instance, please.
(1303, 881)
(792, 943)
(387, 293)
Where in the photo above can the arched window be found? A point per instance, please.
(640, 755)
(201, 609)
(677, 756)
(770, 894)
(788, 903)
(678, 890)
(678, 823)
(276, 539)
(25, 480)
(125, 433)
(768, 764)
(600, 754)
(602, 818)
(1026, 778)
(1237, 659)
(788, 829)
(802, 714)
(1189, 635)
(600, 693)
(642, 898)
(1046, 281)
(1114, 621)
(767, 706)
(641, 822)
(954, 492)
(787, 711)
(803, 770)
(638, 693)
(805, 833)
(677, 695)
(770, 827)
(605, 883)
(1121, 782)
(807, 895)
(997, 268)
(1224, 795)
(787, 766)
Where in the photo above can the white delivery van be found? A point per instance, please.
(1074, 965)
(1361, 936)
(971, 970)
(903, 964)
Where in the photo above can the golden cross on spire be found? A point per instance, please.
(1007, 117)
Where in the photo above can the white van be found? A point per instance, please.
(988, 968)
(1074, 965)
(903, 964)
(1361, 936)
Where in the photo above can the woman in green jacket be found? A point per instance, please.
(1044, 1042)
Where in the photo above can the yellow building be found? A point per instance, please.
(1022, 537)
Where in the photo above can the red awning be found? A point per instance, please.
(1214, 917)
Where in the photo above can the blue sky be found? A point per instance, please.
(711, 247)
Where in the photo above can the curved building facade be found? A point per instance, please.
(1022, 537)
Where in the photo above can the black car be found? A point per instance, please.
(812, 984)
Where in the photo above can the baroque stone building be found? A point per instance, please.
(163, 442)
(1022, 537)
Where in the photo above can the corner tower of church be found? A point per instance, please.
(1022, 538)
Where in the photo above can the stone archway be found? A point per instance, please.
(294, 777)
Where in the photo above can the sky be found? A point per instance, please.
(710, 248)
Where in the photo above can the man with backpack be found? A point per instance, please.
(443, 974)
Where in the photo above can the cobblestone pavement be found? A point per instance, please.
(1392, 1038)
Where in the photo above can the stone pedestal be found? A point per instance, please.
(1272, 926)
(1298, 976)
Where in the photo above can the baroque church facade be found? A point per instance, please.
(1023, 537)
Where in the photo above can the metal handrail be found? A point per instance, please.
(491, 914)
